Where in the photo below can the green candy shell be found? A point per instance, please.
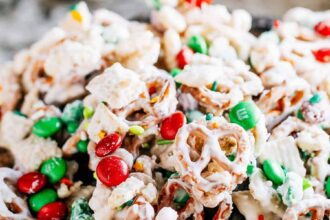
(274, 172)
(73, 112)
(47, 127)
(327, 187)
(245, 114)
(54, 168)
(42, 198)
(80, 210)
(82, 146)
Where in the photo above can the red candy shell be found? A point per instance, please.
(171, 124)
(108, 145)
(112, 171)
(322, 29)
(53, 211)
(31, 182)
(184, 56)
(322, 55)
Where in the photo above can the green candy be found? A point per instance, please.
(315, 99)
(327, 187)
(73, 112)
(274, 172)
(47, 127)
(80, 210)
(72, 127)
(245, 114)
(181, 196)
(193, 115)
(82, 146)
(174, 72)
(54, 168)
(88, 112)
(198, 44)
(42, 198)
(214, 86)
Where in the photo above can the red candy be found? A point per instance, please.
(323, 29)
(171, 124)
(183, 57)
(31, 182)
(108, 145)
(52, 211)
(66, 181)
(199, 3)
(112, 171)
(322, 55)
(276, 23)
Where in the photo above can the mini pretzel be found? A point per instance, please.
(11, 205)
(317, 205)
(280, 101)
(192, 206)
(200, 148)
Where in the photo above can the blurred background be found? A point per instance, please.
(24, 21)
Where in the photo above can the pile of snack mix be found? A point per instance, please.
(189, 116)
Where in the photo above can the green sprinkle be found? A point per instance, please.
(231, 157)
(300, 115)
(198, 44)
(214, 86)
(209, 116)
(88, 112)
(19, 113)
(164, 142)
(156, 4)
(128, 203)
(136, 130)
(73, 7)
(309, 214)
(145, 145)
(316, 98)
(249, 169)
(175, 72)
(82, 146)
(306, 184)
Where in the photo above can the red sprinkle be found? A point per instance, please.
(53, 211)
(323, 29)
(322, 55)
(171, 124)
(108, 145)
(199, 3)
(112, 171)
(260, 217)
(152, 90)
(184, 56)
(66, 181)
(31, 182)
(276, 23)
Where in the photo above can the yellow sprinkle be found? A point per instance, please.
(76, 16)
(215, 125)
(154, 99)
(138, 166)
(94, 175)
(102, 134)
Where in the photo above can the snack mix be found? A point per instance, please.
(189, 116)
